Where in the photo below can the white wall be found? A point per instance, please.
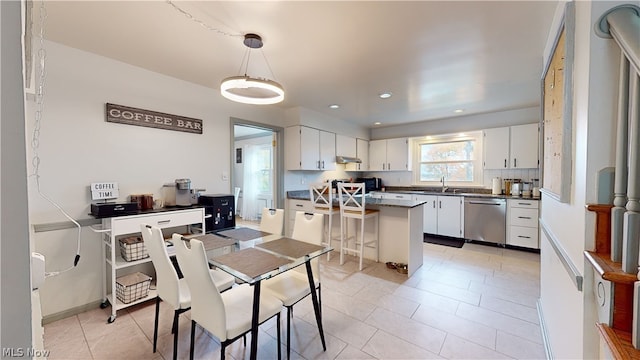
(570, 314)
(77, 147)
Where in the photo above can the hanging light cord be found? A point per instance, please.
(35, 139)
(221, 32)
(202, 23)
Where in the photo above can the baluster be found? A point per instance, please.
(620, 187)
(632, 216)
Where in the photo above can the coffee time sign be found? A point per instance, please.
(139, 117)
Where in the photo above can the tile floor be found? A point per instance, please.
(477, 302)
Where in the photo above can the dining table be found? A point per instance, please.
(260, 256)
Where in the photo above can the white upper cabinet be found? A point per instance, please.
(514, 147)
(309, 149)
(496, 148)
(362, 153)
(524, 146)
(345, 146)
(389, 155)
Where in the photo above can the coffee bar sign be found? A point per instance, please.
(132, 116)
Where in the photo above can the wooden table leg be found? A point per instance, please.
(255, 320)
(316, 306)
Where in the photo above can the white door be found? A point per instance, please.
(327, 148)
(378, 155)
(524, 146)
(309, 148)
(397, 154)
(496, 148)
(449, 216)
(430, 215)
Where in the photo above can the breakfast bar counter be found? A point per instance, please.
(400, 229)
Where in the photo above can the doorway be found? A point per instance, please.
(256, 171)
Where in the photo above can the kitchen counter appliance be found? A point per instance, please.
(371, 184)
(485, 220)
(219, 211)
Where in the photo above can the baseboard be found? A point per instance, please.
(70, 312)
(543, 330)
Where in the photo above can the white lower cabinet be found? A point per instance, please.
(442, 215)
(522, 223)
(294, 205)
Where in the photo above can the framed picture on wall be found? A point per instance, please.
(238, 155)
(557, 116)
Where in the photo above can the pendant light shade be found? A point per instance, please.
(249, 90)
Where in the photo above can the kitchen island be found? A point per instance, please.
(399, 229)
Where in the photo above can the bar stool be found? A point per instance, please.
(352, 206)
(322, 201)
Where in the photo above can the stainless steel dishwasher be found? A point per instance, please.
(485, 219)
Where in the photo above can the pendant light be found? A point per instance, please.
(249, 90)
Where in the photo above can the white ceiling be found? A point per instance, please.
(434, 56)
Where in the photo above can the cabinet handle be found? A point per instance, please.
(434, 204)
(524, 203)
(524, 217)
(514, 163)
(524, 237)
(318, 164)
(299, 205)
(164, 222)
(383, 164)
(388, 166)
(323, 164)
(505, 163)
(440, 204)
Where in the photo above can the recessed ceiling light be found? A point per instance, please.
(458, 110)
(334, 106)
(377, 123)
(385, 95)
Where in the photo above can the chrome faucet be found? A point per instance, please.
(444, 188)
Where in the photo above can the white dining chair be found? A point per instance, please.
(322, 200)
(170, 288)
(272, 221)
(226, 315)
(292, 286)
(352, 206)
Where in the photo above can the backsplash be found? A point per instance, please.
(296, 180)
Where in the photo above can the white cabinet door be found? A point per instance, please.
(378, 155)
(524, 146)
(430, 215)
(397, 154)
(309, 148)
(450, 216)
(327, 150)
(496, 148)
(362, 153)
(345, 146)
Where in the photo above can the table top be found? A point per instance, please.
(242, 233)
(264, 259)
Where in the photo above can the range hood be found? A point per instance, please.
(347, 159)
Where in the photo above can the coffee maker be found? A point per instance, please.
(183, 192)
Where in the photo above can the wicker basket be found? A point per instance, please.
(132, 248)
(132, 287)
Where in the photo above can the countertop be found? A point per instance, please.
(304, 195)
(475, 193)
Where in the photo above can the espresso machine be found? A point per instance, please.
(183, 192)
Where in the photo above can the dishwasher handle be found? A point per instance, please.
(485, 203)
